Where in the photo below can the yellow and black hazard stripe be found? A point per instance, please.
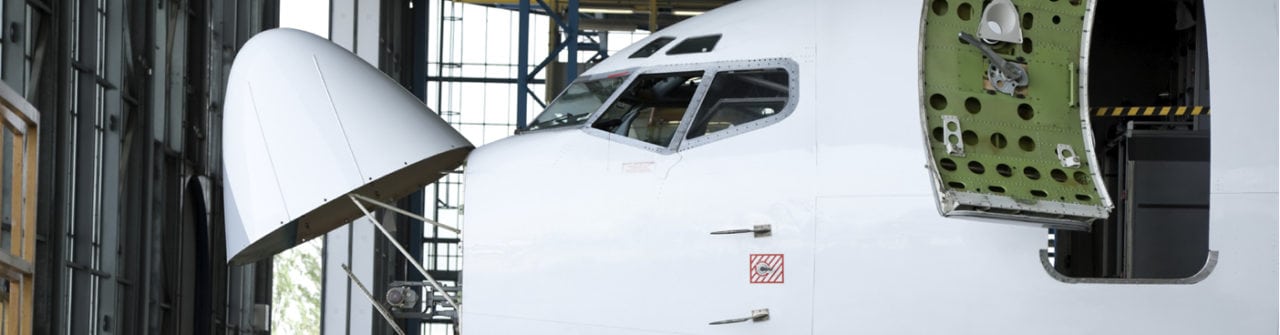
(1152, 111)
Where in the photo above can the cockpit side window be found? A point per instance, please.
(577, 103)
(652, 47)
(738, 97)
(652, 108)
(694, 45)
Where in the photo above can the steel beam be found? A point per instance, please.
(356, 198)
(522, 67)
(571, 70)
(653, 16)
(391, 320)
(569, 23)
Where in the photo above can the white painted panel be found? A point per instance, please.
(336, 285)
(304, 136)
(1243, 88)
(367, 42)
(258, 199)
(342, 22)
(362, 241)
(281, 92)
(880, 258)
(338, 289)
(365, 108)
(867, 85)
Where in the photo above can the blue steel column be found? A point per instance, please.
(522, 68)
(571, 70)
(416, 200)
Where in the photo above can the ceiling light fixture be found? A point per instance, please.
(606, 11)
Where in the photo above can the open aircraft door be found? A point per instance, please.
(1005, 112)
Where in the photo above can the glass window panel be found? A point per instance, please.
(652, 108)
(652, 47)
(695, 45)
(577, 103)
(739, 97)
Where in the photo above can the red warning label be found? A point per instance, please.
(766, 268)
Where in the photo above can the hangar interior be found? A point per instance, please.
(112, 163)
(111, 215)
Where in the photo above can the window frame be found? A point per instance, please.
(675, 50)
(689, 111)
(710, 70)
(628, 75)
(793, 98)
(655, 51)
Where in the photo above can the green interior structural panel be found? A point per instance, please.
(1007, 138)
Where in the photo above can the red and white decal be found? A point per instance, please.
(766, 268)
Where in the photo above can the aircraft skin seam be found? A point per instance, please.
(266, 145)
(334, 108)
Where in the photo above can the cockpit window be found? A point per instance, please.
(652, 108)
(652, 47)
(695, 45)
(577, 103)
(738, 97)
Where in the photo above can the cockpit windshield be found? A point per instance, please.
(576, 104)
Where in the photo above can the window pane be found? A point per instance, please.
(577, 103)
(695, 45)
(652, 47)
(651, 108)
(739, 97)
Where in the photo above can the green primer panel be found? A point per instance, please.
(1010, 164)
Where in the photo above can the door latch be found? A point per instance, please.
(756, 316)
(1005, 76)
(758, 230)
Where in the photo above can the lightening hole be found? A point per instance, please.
(1027, 144)
(1081, 178)
(938, 101)
(964, 11)
(947, 164)
(939, 7)
(1026, 112)
(1058, 175)
(998, 141)
(977, 167)
(972, 105)
(970, 138)
(1004, 170)
(1031, 173)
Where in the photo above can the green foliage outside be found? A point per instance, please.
(295, 294)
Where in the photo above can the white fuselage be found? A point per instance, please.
(571, 231)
